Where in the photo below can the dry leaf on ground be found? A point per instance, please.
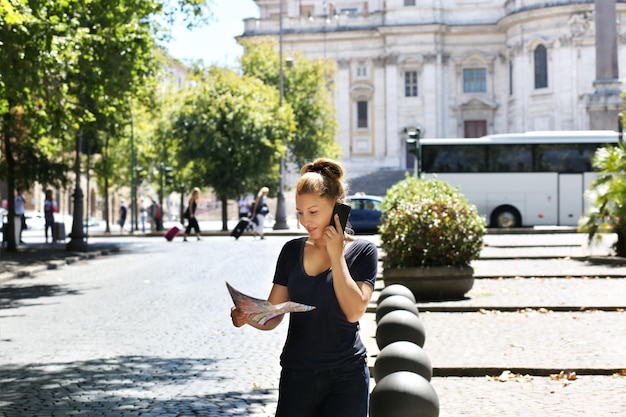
(506, 376)
(569, 376)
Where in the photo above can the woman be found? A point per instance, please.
(324, 370)
(260, 210)
(190, 214)
(49, 208)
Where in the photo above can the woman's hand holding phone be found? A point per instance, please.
(343, 211)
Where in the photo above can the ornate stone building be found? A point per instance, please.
(454, 68)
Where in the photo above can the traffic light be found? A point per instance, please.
(169, 175)
(138, 175)
(413, 146)
(412, 140)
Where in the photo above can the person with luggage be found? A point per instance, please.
(259, 211)
(190, 214)
(324, 369)
(244, 206)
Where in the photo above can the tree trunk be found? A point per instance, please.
(224, 201)
(106, 206)
(9, 229)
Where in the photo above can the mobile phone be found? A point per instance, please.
(343, 210)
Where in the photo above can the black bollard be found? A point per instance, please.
(395, 302)
(404, 394)
(402, 356)
(400, 325)
(396, 289)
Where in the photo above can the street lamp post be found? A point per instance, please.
(281, 214)
(133, 176)
(77, 241)
(161, 194)
(137, 182)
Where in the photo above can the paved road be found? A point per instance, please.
(146, 332)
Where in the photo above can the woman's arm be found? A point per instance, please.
(353, 296)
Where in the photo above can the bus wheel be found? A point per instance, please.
(505, 217)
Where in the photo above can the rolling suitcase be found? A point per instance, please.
(242, 225)
(172, 232)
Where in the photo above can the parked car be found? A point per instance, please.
(365, 214)
(35, 220)
(91, 222)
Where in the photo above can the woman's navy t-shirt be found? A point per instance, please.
(322, 338)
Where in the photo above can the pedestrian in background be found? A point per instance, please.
(49, 208)
(20, 211)
(324, 369)
(244, 206)
(259, 211)
(190, 214)
(123, 213)
(143, 215)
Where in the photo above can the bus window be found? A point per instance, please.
(565, 158)
(510, 158)
(454, 158)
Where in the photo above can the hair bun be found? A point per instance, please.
(326, 168)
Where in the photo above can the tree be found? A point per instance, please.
(111, 35)
(123, 37)
(68, 71)
(229, 133)
(307, 90)
(608, 214)
(31, 109)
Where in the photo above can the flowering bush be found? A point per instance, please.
(427, 222)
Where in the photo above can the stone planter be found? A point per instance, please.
(433, 283)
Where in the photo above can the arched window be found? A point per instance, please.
(541, 67)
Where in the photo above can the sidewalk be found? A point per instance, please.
(33, 258)
(538, 326)
(541, 333)
(36, 255)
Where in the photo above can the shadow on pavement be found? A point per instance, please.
(13, 296)
(126, 385)
(45, 255)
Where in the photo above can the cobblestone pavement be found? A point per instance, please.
(143, 330)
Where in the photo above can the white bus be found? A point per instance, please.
(519, 179)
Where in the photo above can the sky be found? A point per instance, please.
(215, 43)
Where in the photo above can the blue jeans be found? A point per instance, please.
(338, 392)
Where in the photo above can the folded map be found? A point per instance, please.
(263, 311)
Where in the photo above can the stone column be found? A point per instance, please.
(604, 105)
(606, 40)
